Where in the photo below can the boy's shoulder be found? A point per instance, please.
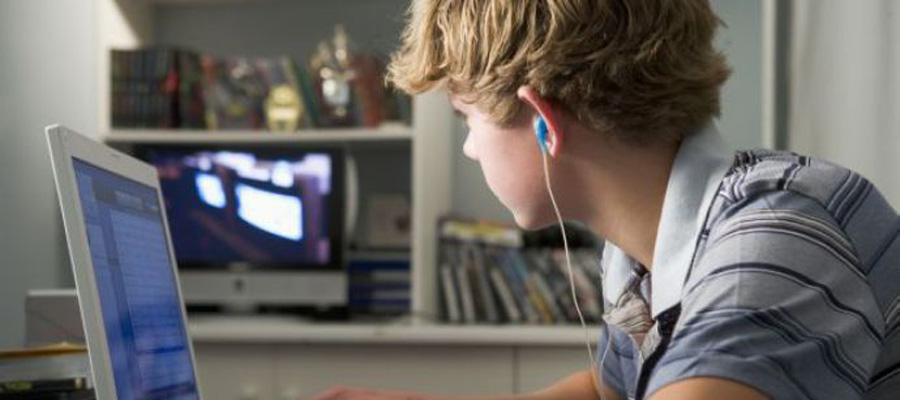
(794, 251)
(756, 173)
(781, 186)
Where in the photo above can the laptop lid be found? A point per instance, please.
(125, 272)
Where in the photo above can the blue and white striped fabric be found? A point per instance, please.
(791, 286)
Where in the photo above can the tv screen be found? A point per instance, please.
(257, 208)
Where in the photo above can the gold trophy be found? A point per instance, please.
(335, 75)
(284, 109)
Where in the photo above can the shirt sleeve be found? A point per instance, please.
(777, 302)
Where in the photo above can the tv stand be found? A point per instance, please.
(232, 290)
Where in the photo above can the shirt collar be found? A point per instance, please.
(699, 167)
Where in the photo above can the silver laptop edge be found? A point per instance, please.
(65, 146)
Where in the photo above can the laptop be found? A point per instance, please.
(125, 273)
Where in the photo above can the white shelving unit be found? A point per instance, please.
(132, 24)
(128, 24)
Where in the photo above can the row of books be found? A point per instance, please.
(156, 88)
(165, 88)
(54, 372)
(487, 276)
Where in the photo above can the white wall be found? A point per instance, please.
(845, 87)
(741, 41)
(46, 76)
(740, 124)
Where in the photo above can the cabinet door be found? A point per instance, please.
(539, 367)
(305, 370)
(236, 372)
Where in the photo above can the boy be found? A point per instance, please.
(748, 275)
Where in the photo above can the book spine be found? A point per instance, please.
(518, 288)
(535, 297)
(143, 86)
(548, 297)
(539, 286)
(116, 79)
(557, 282)
(506, 296)
(465, 291)
(489, 306)
(531, 293)
(169, 83)
(587, 294)
(467, 263)
(451, 297)
(130, 89)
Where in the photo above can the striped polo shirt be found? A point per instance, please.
(772, 269)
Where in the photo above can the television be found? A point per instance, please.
(255, 225)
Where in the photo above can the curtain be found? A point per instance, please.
(844, 86)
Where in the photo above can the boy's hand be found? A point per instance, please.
(347, 393)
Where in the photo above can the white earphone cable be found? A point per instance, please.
(587, 339)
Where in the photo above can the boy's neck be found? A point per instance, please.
(622, 189)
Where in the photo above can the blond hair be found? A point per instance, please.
(639, 70)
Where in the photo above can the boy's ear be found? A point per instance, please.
(541, 106)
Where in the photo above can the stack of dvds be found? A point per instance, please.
(487, 276)
(379, 283)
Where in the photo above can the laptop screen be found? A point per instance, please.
(142, 313)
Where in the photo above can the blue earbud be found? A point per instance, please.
(540, 130)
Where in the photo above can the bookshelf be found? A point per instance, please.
(427, 144)
(426, 147)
